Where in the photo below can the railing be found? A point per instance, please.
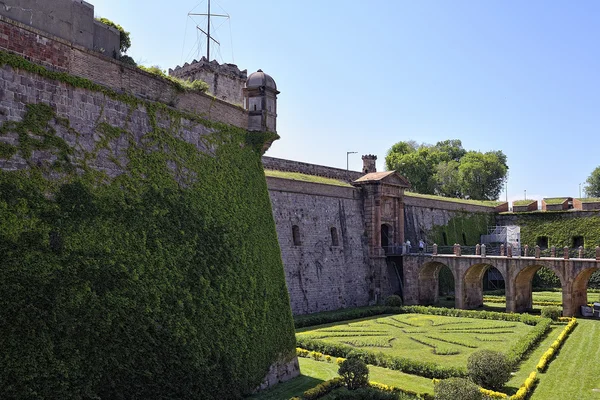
(508, 251)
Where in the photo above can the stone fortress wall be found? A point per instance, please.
(327, 266)
(70, 49)
(61, 55)
(71, 20)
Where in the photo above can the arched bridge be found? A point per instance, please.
(421, 283)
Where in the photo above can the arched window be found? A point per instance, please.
(334, 237)
(296, 235)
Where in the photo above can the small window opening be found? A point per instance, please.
(445, 238)
(542, 241)
(464, 237)
(255, 107)
(296, 235)
(334, 237)
(578, 241)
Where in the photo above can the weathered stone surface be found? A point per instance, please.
(319, 275)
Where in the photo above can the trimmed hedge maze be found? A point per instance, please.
(428, 342)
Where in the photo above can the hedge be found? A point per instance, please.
(555, 346)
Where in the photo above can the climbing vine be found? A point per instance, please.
(164, 282)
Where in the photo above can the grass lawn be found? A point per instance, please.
(443, 340)
(315, 372)
(296, 176)
(575, 372)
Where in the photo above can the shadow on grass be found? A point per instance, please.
(291, 388)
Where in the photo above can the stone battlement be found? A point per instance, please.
(225, 81)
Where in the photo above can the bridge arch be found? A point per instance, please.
(473, 284)
(522, 297)
(429, 282)
(579, 294)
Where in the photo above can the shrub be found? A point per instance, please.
(393, 301)
(322, 389)
(488, 368)
(457, 388)
(526, 388)
(552, 312)
(355, 373)
(365, 393)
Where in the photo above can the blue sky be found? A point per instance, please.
(521, 77)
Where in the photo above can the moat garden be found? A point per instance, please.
(410, 351)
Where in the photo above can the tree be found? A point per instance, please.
(447, 169)
(592, 189)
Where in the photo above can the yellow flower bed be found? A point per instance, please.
(549, 354)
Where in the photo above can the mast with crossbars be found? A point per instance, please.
(207, 32)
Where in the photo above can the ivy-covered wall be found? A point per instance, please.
(445, 227)
(559, 227)
(562, 229)
(133, 265)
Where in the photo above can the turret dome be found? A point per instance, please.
(260, 79)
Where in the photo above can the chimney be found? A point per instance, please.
(369, 164)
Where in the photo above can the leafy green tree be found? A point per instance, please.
(447, 169)
(592, 189)
(482, 174)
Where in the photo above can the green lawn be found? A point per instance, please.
(296, 176)
(443, 340)
(315, 372)
(575, 372)
(544, 296)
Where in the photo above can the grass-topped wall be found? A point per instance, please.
(133, 265)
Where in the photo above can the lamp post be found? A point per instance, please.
(347, 155)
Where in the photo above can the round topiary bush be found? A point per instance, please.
(552, 312)
(393, 301)
(355, 373)
(488, 368)
(457, 388)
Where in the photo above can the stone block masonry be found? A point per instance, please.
(280, 164)
(58, 54)
(71, 20)
(320, 275)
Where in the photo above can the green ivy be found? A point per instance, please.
(163, 283)
(472, 225)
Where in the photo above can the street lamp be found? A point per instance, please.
(348, 154)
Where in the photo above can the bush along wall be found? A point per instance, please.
(163, 281)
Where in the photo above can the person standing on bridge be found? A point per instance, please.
(421, 246)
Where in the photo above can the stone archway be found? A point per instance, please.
(473, 285)
(522, 293)
(429, 282)
(579, 291)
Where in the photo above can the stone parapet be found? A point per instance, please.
(280, 164)
(58, 54)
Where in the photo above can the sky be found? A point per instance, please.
(517, 76)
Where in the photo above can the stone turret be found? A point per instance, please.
(225, 81)
(260, 99)
(369, 163)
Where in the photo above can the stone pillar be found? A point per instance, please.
(478, 250)
(597, 253)
(538, 251)
(566, 253)
(501, 250)
(483, 250)
(580, 253)
(400, 218)
(457, 250)
(509, 251)
(526, 251)
(553, 251)
(435, 251)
